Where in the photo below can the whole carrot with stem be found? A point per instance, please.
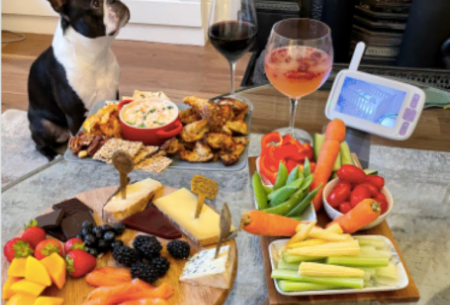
(265, 224)
(364, 213)
(334, 135)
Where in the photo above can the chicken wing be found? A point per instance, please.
(219, 140)
(194, 131)
(201, 153)
(231, 155)
(188, 116)
(241, 140)
(240, 108)
(195, 102)
(171, 146)
(239, 127)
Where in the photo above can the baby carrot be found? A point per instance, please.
(335, 134)
(262, 223)
(364, 213)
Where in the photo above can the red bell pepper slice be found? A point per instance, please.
(267, 170)
(271, 139)
(291, 164)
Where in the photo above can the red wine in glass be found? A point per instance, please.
(232, 38)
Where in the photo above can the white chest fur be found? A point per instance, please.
(91, 67)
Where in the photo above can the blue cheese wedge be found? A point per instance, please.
(203, 269)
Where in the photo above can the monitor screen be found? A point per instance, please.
(371, 102)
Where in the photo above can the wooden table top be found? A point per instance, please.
(271, 111)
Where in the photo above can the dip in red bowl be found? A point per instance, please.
(150, 121)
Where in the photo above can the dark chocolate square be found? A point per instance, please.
(72, 206)
(57, 233)
(71, 225)
(50, 220)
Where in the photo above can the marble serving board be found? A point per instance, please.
(177, 163)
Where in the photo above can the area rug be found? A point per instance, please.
(19, 155)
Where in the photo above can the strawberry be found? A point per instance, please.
(72, 244)
(47, 247)
(16, 248)
(33, 234)
(79, 262)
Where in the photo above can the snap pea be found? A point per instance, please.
(307, 182)
(299, 208)
(267, 189)
(286, 206)
(282, 176)
(293, 175)
(258, 189)
(307, 168)
(294, 184)
(282, 196)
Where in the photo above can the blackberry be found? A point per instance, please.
(148, 246)
(144, 272)
(179, 249)
(117, 243)
(160, 264)
(125, 255)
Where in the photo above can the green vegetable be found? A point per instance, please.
(281, 195)
(292, 258)
(282, 176)
(358, 261)
(338, 282)
(346, 156)
(130, 123)
(267, 189)
(286, 206)
(293, 175)
(153, 110)
(368, 241)
(307, 182)
(307, 168)
(142, 125)
(299, 208)
(337, 163)
(371, 172)
(170, 107)
(290, 286)
(283, 265)
(317, 144)
(258, 189)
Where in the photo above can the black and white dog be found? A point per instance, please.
(78, 70)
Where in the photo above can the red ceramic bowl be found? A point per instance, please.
(150, 136)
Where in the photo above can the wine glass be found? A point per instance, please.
(232, 29)
(298, 60)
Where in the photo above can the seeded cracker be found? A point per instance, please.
(144, 153)
(155, 164)
(105, 153)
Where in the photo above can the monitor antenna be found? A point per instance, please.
(357, 55)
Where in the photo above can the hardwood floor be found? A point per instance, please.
(177, 70)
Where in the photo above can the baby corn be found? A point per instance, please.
(348, 248)
(317, 269)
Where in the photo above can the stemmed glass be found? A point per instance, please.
(298, 60)
(232, 29)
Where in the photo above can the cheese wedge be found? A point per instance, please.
(179, 207)
(203, 269)
(138, 196)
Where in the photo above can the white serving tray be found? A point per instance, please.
(402, 282)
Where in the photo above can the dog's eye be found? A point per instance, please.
(95, 3)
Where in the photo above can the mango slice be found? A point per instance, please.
(56, 268)
(17, 267)
(21, 299)
(36, 272)
(7, 292)
(27, 287)
(48, 301)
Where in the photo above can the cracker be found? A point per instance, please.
(139, 95)
(155, 164)
(144, 153)
(105, 153)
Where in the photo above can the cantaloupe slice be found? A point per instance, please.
(56, 268)
(48, 301)
(36, 272)
(17, 267)
(21, 299)
(7, 292)
(27, 287)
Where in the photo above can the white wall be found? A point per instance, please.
(168, 21)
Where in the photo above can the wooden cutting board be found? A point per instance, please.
(76, 290)
(408, 294)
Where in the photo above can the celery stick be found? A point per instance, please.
(338, 282)
(367, 270)
(292, 258)
(288, 286)
(384, 253)
(389, 272)
(283, 265)
(368, 251)
(367, 241)
(358, 261)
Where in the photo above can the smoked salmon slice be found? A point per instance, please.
(146, 302)
(108, 276)
(134, 290)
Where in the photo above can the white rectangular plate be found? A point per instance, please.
(402, 282)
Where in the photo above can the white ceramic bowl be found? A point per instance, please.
(333, 213)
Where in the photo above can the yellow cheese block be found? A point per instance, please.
(36, 272)
(138, 196)
(21, 299)
(180, 206)
(27, 287)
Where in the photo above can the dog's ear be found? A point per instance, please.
(58, 5)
